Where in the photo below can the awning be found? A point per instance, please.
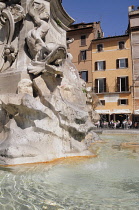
(114, 111)
(136, 111)
(103, 111)
(121, 111)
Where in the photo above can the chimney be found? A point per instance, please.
(131, 8)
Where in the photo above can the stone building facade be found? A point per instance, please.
(134, 38)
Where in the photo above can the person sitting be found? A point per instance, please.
(129, 123)
(111, 124)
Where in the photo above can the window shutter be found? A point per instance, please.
(127, 101)
(104, 84)
(127, 85)
(118, 84)
(81, 55)
(96, 66)
(126, 61)
(86, 76)
(104, 65)
(119, 102)
(96, 85)
(85, 55)
(120, 46)
(117, 63)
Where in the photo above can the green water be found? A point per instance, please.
(109, 181)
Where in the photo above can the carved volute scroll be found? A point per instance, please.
(10, 14)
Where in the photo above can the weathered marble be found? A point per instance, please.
(44, 111)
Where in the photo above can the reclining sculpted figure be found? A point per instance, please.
(46, 57)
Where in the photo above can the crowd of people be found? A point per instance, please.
(125, 124)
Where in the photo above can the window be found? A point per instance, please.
(100, 85)
(100, 47)
(98, 34)
(83, 40)
(121, 45)
(123, 102)
(100, 65)
(102, 102)
(84, 75)
(122, 84)
(83, 55)
(122, 63)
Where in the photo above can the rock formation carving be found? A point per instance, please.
(45, 113)
(9, 16)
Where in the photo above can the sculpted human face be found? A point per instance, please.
(43, 12)
(44, 15)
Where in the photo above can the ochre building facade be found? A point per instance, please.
(110, 66)
(81, 49)
(112, 76)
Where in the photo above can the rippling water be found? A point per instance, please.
(109, 181)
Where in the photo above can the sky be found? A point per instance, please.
(113, 14)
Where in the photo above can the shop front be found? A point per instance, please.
(116, 115)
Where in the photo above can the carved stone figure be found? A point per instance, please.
(44, 112)
(9, 15)
(46, 57)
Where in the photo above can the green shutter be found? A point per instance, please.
(104, 84)
(118, 84)
(104, 65)
(126, 62)
(127, 84)
(96, 85)
(96, 66)
(117, 63)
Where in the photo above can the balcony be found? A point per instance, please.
(110, 90)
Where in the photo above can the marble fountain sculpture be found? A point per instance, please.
(44, 111)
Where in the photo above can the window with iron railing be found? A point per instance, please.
(100, 85)
(122, 84)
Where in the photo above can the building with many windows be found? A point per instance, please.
(112, 76)
(81, 48)
(110, 66)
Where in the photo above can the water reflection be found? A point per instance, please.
(109, 181)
